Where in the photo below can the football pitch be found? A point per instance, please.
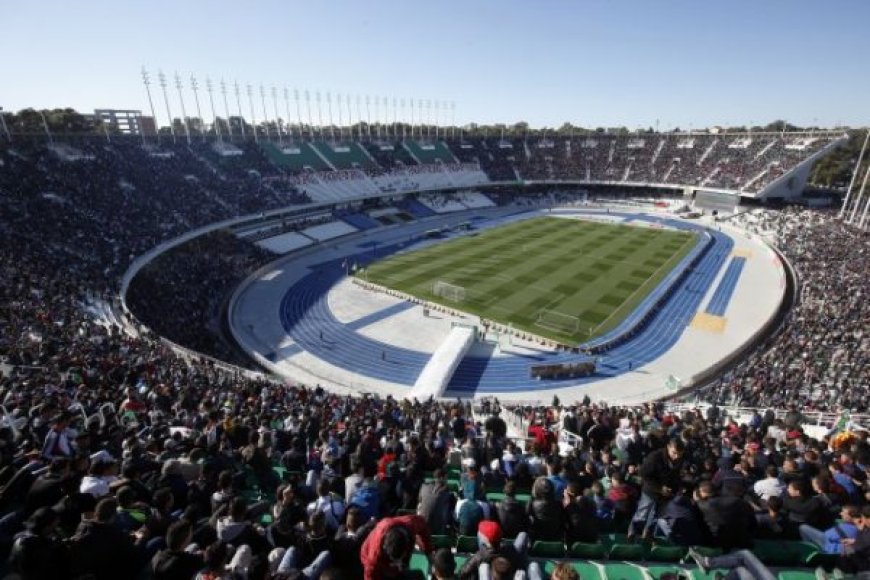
(566, 279)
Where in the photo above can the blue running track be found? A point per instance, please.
(305, 316)
(722, 295)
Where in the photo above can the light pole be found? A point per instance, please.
(217, 129)
(195, 87)
(183, 111)
(3, 122)
(162, 79)
(147, 81)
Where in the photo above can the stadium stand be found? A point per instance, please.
(296, 157)
(120, 452)
(348, 155)
(429, 153)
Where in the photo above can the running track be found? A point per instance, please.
(305, 313)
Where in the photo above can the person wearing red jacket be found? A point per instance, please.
(387, 550)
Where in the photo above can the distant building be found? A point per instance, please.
(127, 122)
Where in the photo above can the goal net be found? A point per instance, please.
(558, 321)
(448, 291)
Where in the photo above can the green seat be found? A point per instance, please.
(796, 575)
(405, 512)
(460, 562)
(547, 550)
(467, 544)
(595, 551)
(821, 559)
(708, 551)
(657, 572)
(442, 541)
(665, 553)
(266, 519)
(453, 486)
(699, 574)
(494, 496)
(523, 497)
(420, 563)
(616, 571)
(627, 552)
(783, 553)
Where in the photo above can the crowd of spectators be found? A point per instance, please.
(821, 358)
(731, 162)
(181, 295)
(119, 458)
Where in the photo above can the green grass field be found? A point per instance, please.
(566, 279)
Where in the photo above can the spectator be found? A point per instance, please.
(830, 541)
(580, 519)
(436, 503)
(37, 553)
(546, 516)
(386, 551)
(491, 547)
(174, 563)
(661, 479)
(101, 549)
(512, 515)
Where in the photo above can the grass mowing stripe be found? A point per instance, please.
(583, 269)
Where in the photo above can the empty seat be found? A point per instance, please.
(624, 571)
(467, 544)
(588, 551)
(548, 550)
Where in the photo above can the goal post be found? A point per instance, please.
(558, 321)
(448, 291)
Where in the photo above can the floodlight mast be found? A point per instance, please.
(298, 113)
(368, 117)
(854, 176)
(274, 92)
(310, 118)
(329, 112)
(162, 80)
(214, 123)
(227, 109)
(195, 87)
(239, 104)
(250, 92)
(5, 127)
(183, 111)
(859, 199)
(147, 81)
(265, 112)
(340, 117)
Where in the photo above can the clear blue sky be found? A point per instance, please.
(604, 62)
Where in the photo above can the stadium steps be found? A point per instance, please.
(354, 158)
(360, 220)
(295, 162)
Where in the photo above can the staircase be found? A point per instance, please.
(766, 148)
(707, 152)
(668, 172)
(321, 156)
(758, 177)
(658, 151)
(712, 175)
(411, 153)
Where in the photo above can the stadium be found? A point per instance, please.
(303, 339)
